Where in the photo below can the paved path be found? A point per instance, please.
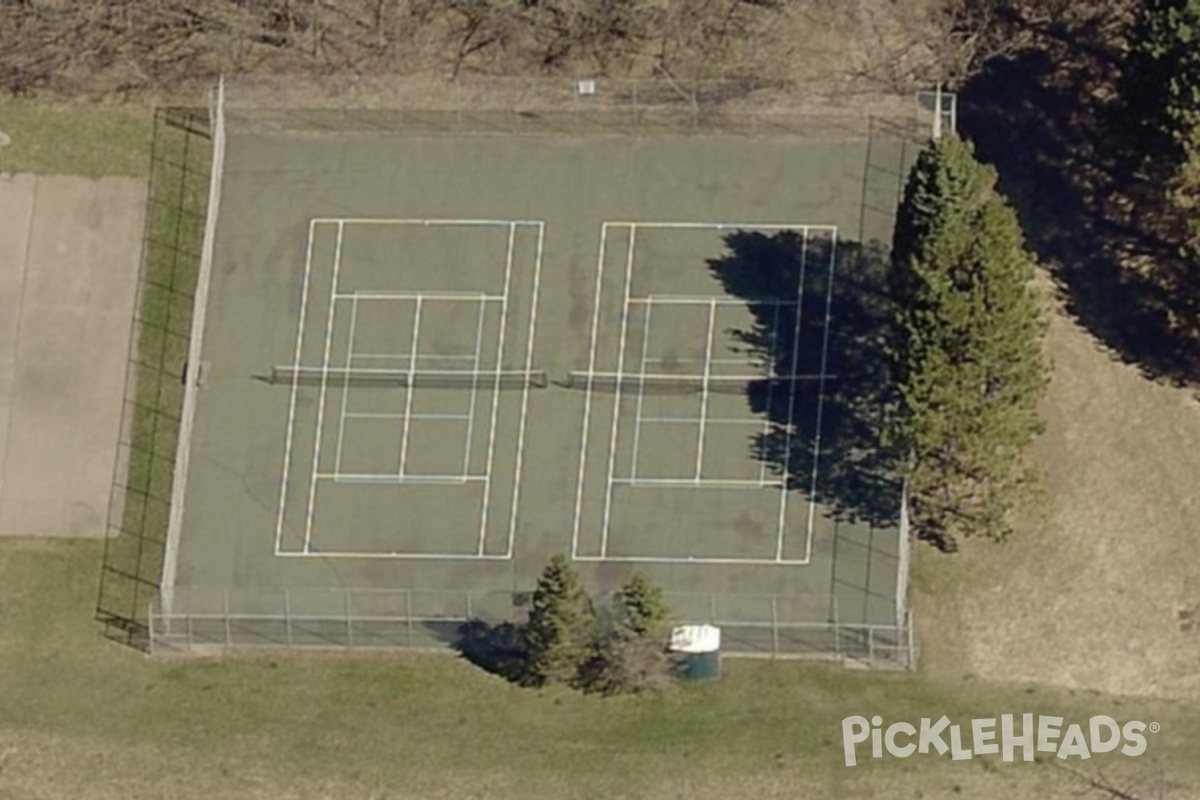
(69, 252)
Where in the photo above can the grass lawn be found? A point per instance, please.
(85, 718)
(69, 140)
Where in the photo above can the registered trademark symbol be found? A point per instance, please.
(1155, 727)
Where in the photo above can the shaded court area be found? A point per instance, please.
(69, 250)
(431, 361)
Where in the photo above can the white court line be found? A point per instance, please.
(461, 357)
(587, 398)
(704, 300)
(409, 391)
(323, 554)
(387, 294)
(812, 498)
(537, 286)
(491, 451)
(371, 415)
(474, 389)
(337, 463)
(500, 223)
(766, 426)
(708, 346)
(723, 226)
(696, 420)
(291, 423)
(312, 489)
(787, 438)
(692, 483)
(692, 560)
(370, 477)
(612, 443)
(637, 425)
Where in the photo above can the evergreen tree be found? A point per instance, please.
(1161, 81)
(966, 356)
(561, 633)
(631, 656)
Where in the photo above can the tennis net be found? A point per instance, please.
(418, 379)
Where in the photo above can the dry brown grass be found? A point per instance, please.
(1092, 597)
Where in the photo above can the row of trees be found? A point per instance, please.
(569, 640)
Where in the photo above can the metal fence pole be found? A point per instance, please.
(287, 617)
(349, 622)
(188, 620)
(228, 630)
(870, 645)
(837, 631)
(774, 626)
(408, 615)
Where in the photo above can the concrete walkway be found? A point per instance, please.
(69, 251)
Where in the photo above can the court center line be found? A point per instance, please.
(766, 426)
(587, 398)
(466, 468)
(637, 425)
(312, 489)
(410, 390)
(491, 451)
(708, 346)
(337, 464)
(516, 498)
(291, 423)
(612, 443)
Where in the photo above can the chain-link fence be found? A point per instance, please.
(154, 386)
(548, 106)
(751, 625)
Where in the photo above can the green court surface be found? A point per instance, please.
(432, 362)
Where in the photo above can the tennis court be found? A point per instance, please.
(431, 362)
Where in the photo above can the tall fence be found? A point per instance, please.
(751, 625)
(384, 104)
(141, 498)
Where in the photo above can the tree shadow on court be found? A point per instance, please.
(1050, 120)
(498, 648)
(818, 310)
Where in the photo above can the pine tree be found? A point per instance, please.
(561, 633)
(1161, 80)
(631, 656)
(966, 356)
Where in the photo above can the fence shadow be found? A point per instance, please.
(1047, 119)
(819, 309)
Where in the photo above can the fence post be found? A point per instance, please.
(408, 615)
(912, 649)
(774, 626)
(225, 610)
(287, 617)
(349, 623)
(837, 631)
(188, 619)
(871, 645)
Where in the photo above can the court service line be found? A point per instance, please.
(323, 554)
(637, 426)
(337, 463)
(291, 423)
(587, 397)
(612, 442)
(312, 489)
(387, 294)
(385, 478)
(812, 498)
(721, 226)
(695, 420)
(716, 483)
(708, 346)
(409, 391)
(693, 560)
(704, 300)
(766, 426)
(374, 415)
(474, 388)
(491, 451)
(537, 285)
